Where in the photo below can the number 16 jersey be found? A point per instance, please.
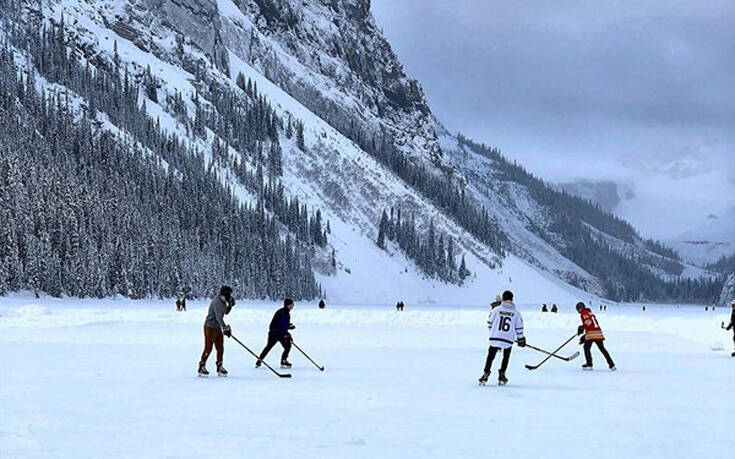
(505, 324)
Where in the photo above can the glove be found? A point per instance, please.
(288, 337)
(227, 331)
(522, 342)
(580, 329)
(291, 326)
(582, 340)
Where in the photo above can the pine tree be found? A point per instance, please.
(463, 271)
(382, 228)
(300, 142)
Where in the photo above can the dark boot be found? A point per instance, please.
(483, 378)
(258, 363)
(502, 380)
(221, 370)
(285, 364)
(202, 371)
(587, 366)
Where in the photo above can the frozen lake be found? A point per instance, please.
(116, 378)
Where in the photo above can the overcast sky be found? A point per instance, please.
(639, 92)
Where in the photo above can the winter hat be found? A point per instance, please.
(225, 291)
(580, 305)
(507, 295)
(287, 302)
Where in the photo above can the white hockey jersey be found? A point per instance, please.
(505, 324)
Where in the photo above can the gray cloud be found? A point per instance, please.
(617, 89)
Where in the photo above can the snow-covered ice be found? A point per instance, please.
(116, 378)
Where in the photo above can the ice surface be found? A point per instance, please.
(115, 378)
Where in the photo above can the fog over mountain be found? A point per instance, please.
(642, 95)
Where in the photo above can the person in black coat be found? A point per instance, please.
(731, 325)
(278, 332)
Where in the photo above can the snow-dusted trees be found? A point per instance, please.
(90, 213)
(382, 229)
(432, 253)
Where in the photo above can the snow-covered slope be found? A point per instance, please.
(708, 242)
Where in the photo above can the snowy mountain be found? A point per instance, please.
(710, 241)
(336, 126)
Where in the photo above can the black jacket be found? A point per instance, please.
(280, 322)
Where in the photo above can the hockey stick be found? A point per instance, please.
(566, 359)
(533, 367)
(321, 368)
(280, 375)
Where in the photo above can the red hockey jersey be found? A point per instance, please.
(593, 332)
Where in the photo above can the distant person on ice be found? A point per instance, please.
(591, 332)
(554, 308)
(506, 326)
(278, 332)
(731, 325)
(498, 301)
(214, 328)
(544, 308)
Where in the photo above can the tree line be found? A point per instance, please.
(86, 212)
(433, 253)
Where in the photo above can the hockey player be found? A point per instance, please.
(731, 325)
(279, 332)
(506, 325)
(590, 332)
(214, 328)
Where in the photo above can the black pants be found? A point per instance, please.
(274, 338)
(601, 346)
(491, 355)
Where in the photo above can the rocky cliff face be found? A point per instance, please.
(329, 55)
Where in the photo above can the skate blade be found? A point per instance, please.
(587, 369)
(221, 376)
(501, 383)
(482, 383)
(203, 376)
